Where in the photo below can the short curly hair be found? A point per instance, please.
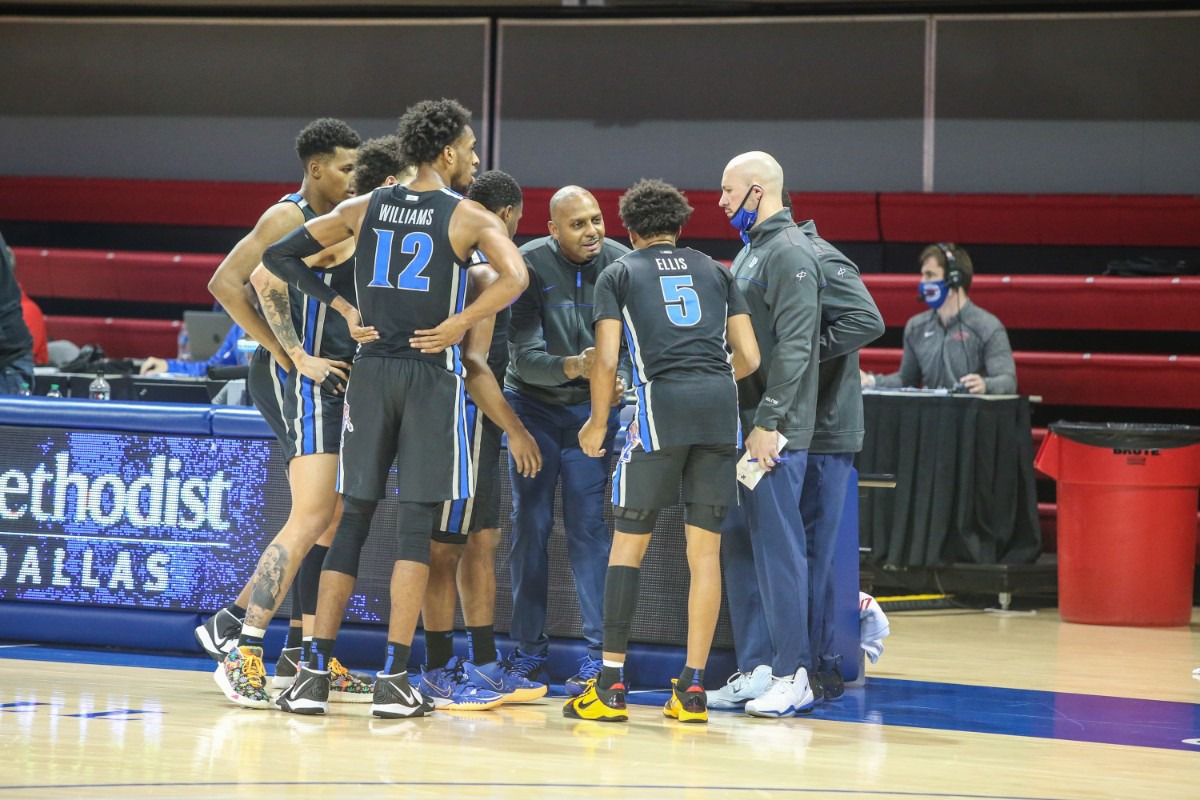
(429, 127)
(322, 137)
(378, 159)
(494, 190)
(651, 207)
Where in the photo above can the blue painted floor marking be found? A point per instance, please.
(883, 701)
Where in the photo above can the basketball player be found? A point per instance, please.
(327, 148)
(472, 558)
(685, 323)
(312, 400)
(406, 404)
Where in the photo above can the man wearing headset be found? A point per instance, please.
(956, 344)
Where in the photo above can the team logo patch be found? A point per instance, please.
(842, 271)
(347, 425)
(802, 274)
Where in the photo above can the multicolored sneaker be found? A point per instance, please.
(602, 705)
(286, 667)
(309, 694)
(497, 677)
(589, 670)
(450, 689)
(218, 634)
(395, 698)
(346, 687)
(242, 677)
(530, 666)
(690, 705)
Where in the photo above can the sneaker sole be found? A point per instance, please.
(350, 697)
(285, 683)
(227, 689)
(450, 705)
(302, 706)
(400, 712)
(791, 711)
(524, 695)
(685, 717)
(210, 647)
(570, 712)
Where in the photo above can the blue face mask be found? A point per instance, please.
(934, 293)
(744, 220)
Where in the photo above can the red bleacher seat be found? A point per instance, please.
(105, 275)
(120, 338)
(1104, 220)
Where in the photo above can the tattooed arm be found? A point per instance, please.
(277, 308)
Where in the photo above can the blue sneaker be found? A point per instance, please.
(530, 666)
(450, 689)
(498, 677)
(589, 670)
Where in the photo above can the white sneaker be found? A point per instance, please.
(740, 687)
(787, 697)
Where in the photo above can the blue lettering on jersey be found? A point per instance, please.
(682, 302)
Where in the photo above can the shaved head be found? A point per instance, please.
(758, 167)
(566, 194)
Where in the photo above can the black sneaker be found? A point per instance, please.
(830, 677)
(308, 695)
(286, 668)
(395, 698)
(218, 634)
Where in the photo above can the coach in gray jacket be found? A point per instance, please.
(956, 344)
(849, 321)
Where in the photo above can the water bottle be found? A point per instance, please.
(99, 389)
(185, 348)
(25, 390)
(54, 392)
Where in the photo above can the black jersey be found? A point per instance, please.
(674, 303)
(407, 275)
(321, 330)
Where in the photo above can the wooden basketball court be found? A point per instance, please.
(962, 705)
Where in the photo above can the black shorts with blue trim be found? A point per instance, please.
(704, 474)
(266, 382)
(411, 414)
(481, 511)
(314, 417)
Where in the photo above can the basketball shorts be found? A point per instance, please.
(266, 382)
(697, 473)
(457, 518)
(411, 414)
(314, 417)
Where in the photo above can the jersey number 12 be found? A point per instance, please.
(417, 244)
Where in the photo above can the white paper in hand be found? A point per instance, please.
(749, 473)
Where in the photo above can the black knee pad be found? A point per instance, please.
(709, 518)
(309, 578)
(351, 534)
(414, 522)
(634, 520)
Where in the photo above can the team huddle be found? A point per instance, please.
(394, 257)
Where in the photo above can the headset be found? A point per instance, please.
(954, 273)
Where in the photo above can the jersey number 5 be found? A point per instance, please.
(682, 302)
(417, 244)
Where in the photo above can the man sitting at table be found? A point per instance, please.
(955, 345)
(227, 355)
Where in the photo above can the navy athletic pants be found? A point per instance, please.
(765, 553)
(821, 504)
(584, 479)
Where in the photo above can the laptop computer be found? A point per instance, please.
(206, 331)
